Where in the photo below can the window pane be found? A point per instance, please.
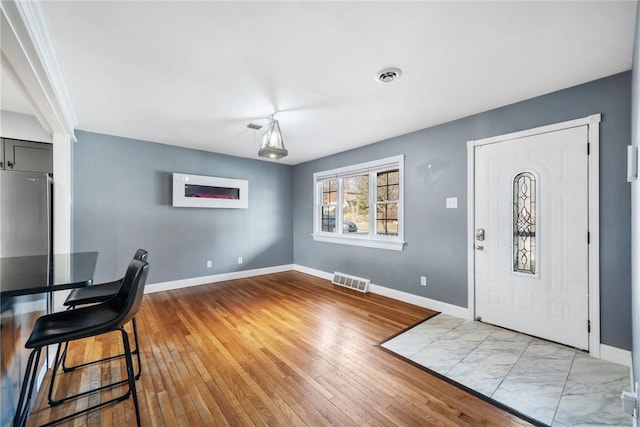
(333, 197)
(387, 185)
(393, 177)
(394, 192)
(524, 223)
(329, 192)
(330, 185)
(328, 219)
(387, 219)
(355, 206)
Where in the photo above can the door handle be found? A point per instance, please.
(10, 165)
(479, 247)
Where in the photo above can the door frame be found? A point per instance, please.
(593, 123)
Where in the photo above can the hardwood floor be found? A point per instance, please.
(284, 349)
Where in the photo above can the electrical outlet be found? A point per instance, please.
(239, 260)
(209, 263)
(423, 281)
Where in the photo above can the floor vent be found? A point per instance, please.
(351, 282)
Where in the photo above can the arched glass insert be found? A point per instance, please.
(524, 223)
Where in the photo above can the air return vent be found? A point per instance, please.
(351, 282)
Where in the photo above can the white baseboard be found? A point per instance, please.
(313, 272)
(431, 304)
(615, 355)
(203, 280)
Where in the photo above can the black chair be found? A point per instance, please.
(84, 322)
(92, 295)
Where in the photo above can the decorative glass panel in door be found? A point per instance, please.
(524, 223)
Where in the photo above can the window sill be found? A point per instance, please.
(392, 245)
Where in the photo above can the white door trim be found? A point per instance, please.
(593, 122)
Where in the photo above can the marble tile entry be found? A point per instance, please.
(548, 382)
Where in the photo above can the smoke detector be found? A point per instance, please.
(388, 75)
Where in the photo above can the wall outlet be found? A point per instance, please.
(423, 281)
(452, 202)
(209, 263)
(239, 260)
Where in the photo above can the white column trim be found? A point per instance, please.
(29, 54)
(28, 46)
(594, 232)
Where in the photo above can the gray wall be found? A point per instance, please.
(437, 237)
(122, 201)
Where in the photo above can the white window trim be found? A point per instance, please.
(395, 243)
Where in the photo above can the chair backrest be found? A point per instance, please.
(129, 297)
(141, 254)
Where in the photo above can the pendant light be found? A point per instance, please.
(272, 145)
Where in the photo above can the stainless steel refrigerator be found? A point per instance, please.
(25, 213)
(25, 229)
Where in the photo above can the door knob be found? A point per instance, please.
(480, 234)
(479, 247)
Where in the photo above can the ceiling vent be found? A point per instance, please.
(351, 282)
(388, 75)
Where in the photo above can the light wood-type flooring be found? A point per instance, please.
(284, 349)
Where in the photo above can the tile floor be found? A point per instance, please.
(556, 385)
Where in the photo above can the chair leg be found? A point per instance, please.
(56, 365)
(131, 381)
(82, 365)
(59, 361)
(66, 347)
(55, 401)
(137, 350)
(24, 401)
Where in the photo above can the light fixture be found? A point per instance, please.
(272, 145)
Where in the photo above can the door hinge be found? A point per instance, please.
(589, 326)
(588, 148)
(588, 237)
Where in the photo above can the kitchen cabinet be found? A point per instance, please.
(26, 156)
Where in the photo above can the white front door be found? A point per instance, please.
(531, 247)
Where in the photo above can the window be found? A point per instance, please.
(524, 223)
(329, 200)
(388, 193)
(361, 204)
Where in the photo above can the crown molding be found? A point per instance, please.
(31, 60)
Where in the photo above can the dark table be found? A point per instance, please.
(35, 274)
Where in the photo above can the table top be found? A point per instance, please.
(34, 274)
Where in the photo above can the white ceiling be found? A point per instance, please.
(195, 74)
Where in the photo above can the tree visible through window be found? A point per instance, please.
(355, 202)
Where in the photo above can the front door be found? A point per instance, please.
(531, 247)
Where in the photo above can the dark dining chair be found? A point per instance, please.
(85, 322)
(92, 295)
